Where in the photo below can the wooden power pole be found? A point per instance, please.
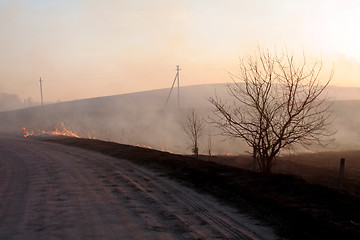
(177, 78)
(41, 93)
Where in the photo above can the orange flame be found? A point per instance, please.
(143, 146)
(64, 131)
(28, 133)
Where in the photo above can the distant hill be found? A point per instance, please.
(142, 118)
(343, 93)
(190, 97)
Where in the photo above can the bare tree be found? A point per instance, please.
(276, 104)
(193, 128)
(209, 142)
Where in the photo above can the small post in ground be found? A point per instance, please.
(341, 174)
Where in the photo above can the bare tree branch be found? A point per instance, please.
(193, 127)
(277, 104)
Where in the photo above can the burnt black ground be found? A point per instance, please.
(297, 209)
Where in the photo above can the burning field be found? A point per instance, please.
(302, 199)
(63, 130)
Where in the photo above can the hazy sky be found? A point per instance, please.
(89, 48)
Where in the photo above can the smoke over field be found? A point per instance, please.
(142, 118)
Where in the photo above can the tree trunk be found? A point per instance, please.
(254, 161)
(267, 167)
(267, 170)
(196, 151)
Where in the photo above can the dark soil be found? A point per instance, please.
(296, 208)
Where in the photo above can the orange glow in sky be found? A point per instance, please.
(85, 48)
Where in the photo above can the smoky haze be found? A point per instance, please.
(142, 118)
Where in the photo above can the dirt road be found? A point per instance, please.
(50, 191)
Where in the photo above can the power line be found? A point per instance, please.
(116, 75)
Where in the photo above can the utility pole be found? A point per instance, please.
(41, 93)
(177, 78)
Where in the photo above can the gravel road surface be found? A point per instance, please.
(51, 191)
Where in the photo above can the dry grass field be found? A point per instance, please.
(318, 168)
